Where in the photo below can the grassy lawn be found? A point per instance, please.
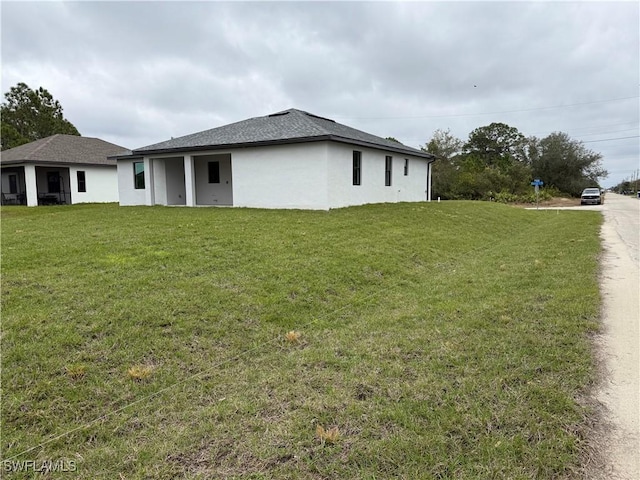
(442, 340)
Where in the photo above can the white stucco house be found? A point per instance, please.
(289, 159)
(60, 169)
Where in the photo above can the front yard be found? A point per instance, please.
(442, 340)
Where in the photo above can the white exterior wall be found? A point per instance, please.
(168, 178)
(213, 193)
(31, 185)
(281, 176)
(101, 183)
(159, 180)
(313, 175)
(128, 195)
(176, 193)
(372, 188)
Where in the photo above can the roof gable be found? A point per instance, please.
(67, 149)
(288, 126)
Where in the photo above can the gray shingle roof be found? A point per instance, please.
(65, 149)
(288, 126)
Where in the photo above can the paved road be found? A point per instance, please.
(619, 343)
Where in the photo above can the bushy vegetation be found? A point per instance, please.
(627, 187)
(506, 197)
(499, 161)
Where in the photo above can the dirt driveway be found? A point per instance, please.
(618, 433)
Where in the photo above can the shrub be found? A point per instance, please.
(507, 197)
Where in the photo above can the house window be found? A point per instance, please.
(13, 184)
(357, 167)
(406, 167)
(53, 182)
(214, 172)
(82, 182)
(387, 170)
(138, 175)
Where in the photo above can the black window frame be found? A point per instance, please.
(82, 181)
(388, 168)
(214, 171)
(13, 183)
(357, 168)
(406, 167)
(138, 176)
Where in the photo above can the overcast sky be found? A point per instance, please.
(137, 73)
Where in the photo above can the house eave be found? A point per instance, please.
(403, 151)
(126, 157)
(53, 163)
(139, 154)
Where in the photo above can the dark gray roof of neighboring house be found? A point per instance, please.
(64, 149)
(288, 126)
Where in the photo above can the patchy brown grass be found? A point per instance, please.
(553, 202)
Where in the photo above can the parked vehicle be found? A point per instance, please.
(591, 196)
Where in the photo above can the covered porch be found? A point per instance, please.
(34, 185)
(189, 180)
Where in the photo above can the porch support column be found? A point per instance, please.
(429, 180)
(31, 185)
(149, 192)
(189, 181)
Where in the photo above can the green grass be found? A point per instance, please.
(443, 340)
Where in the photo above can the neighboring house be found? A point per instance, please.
(290, 159)
(60, 169)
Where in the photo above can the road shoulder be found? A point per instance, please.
(617, 394)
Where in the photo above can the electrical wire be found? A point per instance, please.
(416, 141)
(591, 127)
(606, 133)
(489, 113)
(609, 139)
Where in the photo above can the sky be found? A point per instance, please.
(138, 73)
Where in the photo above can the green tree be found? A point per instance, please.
(497, 156)
(566, 164)
(443, 144)
(28, 115)
(445, 147)
(625, 187)
(498, 145)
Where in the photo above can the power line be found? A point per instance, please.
(488, 113)
(574, 130)
(604, 133)
(548, 132)
(609, 139)
(635, 124)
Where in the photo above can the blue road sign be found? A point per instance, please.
(537, 183)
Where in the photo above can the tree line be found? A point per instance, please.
(629, 186)
(499, 162)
